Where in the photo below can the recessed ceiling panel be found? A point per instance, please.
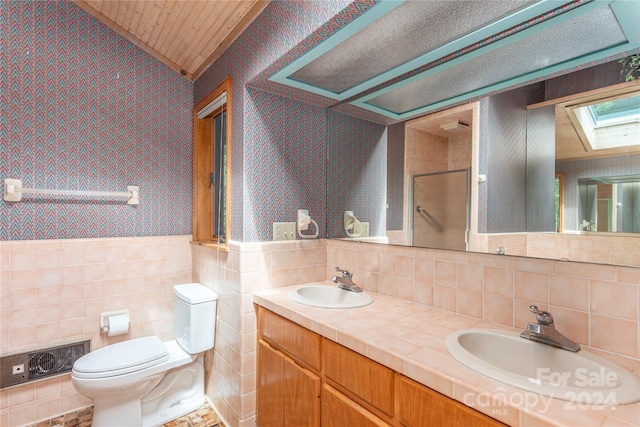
(579, 36)
(594, 31)
(415, 26)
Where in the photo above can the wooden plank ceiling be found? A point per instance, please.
(187, 36)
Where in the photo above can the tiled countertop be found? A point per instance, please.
(410, 339)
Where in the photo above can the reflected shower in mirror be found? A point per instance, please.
(441, 210)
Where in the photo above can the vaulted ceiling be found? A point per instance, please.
(188, 36)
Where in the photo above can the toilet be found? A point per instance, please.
(147, 382)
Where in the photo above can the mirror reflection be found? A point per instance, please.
(536, 159)
(609, 203)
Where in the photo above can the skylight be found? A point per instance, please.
(616, 112)
(610, 123)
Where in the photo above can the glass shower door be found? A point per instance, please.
(441, 210)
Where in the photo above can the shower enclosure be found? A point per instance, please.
(440, 210)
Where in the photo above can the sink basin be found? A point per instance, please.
(329, 297)
(579, 377)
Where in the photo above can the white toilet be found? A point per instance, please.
(147, 382)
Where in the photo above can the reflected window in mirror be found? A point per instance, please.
(559, 202)
(610, 204)
(609, 123)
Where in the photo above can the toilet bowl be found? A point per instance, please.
(147, 382)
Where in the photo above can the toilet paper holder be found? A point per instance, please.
(105, 315)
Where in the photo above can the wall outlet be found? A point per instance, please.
(284, 231)
(364, 229)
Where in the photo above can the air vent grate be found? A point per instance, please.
(34, 365)
(41, 364)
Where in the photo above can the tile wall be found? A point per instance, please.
(588, 301)
(428, 153)
(52, 292)
(604, 248)
(234, 275)
(67, 283)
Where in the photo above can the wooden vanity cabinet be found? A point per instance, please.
(367, 382)
(269, 386)
(421, 406)
(287, 392)
(299, 343)
(339, 411)
(304, 380)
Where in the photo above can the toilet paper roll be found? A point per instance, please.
(118, 325)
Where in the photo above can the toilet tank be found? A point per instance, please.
(195, 317)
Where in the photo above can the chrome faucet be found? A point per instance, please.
(346, 282)
(545, 331)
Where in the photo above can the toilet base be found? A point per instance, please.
(116, 414)
(181, 391)
(122, 409)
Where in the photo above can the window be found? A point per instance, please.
(615, 112)
(559, 202)
(211, 166)
(608, 123)
(218, 178)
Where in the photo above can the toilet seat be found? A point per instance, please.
(121, 358)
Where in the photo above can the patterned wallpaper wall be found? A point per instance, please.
(84, 109)
(250, 60)
(287, 170)
(505, 154)
(575, 169)
(395, 176)
(356, 173)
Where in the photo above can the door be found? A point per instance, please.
(441, 210)
(270, 386)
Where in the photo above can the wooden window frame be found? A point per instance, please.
(560, 178)
(203, 167)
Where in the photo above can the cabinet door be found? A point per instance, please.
(420, 406)
(301, 396)
(269, 387)
(339, 411)
(366, 379)
(298, 342)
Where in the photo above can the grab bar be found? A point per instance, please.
(431, 220)
(13, 191)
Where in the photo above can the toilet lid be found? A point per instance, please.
(121, 358)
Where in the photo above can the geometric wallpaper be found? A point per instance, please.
(269, 145)
(287, 168)
(357, 173)
(81, 108)
(506, 161)
(263, 49)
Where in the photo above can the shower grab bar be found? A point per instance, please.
(13, 191)
(431, 220)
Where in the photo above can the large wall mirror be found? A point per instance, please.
(548, 170)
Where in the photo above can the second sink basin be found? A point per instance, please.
(580, 377)
(329, 297)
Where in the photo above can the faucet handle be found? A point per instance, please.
(544, 317)
(345, 273)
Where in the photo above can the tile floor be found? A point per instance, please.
(205, 416)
